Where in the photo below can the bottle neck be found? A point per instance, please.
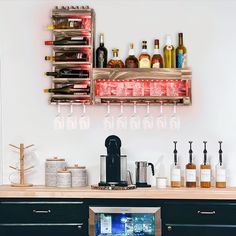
(144, 49)
(115, 55)
(181, 41)
(156, 50)
(131, 52)
(101, 40)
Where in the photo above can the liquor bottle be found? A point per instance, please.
(175, 177)
(115, 62)
(69, 73)
(144, 58)
(131, 61)
(68, 56)
(191, 173)
(70, 23)
(101, 54)
(157, 60)
(68, 89)
(181, 53)
(220, 171)
(169, 53)
(205, 171)
(69, 41)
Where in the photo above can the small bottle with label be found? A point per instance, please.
(205, 171)
(220, 171)
(175, 171)
(191, 173)
(144, 58)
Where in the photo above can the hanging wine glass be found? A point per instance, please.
(84, 120)
(71, 121)
(121, 120)
(59, 122)
(134, 120)
(148, 122)
(161, 119)
(108, 122)
(174, 119)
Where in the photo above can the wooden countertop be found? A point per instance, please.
(7, 191)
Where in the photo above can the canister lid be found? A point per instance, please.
(76, 166)
(63, 171)
(55, 159)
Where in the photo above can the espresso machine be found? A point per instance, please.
(113, 166)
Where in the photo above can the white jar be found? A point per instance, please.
(52, 165)
(161, 182)
(79, 176)
(63, 179)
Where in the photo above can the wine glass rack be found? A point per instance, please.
(73, 22)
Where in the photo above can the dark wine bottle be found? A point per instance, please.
(101, 54)
(69, 73)
(68, 89)
(68, 56)
(69, 41)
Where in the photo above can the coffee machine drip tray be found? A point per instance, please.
(108, 187)
(143, 185)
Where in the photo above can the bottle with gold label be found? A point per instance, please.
(131, 61)
(157, 60)
(169, 53)
(144, 58)
(175, 177)
(115, 62)
(220, 171)
(191, 173)
(205, 171)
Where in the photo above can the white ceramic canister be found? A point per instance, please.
(79, 176)
(52, 165)
(64, 179)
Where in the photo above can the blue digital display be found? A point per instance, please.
(129, 224)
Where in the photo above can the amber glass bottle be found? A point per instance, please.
(205, 171)
(144, 57)
(131, 61)
(191, 173)
(157, 60)
(115, 62)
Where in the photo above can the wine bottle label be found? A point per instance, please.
(156, 65)
(176, 175)
(205, 175)
(101, 59)
(144, 63)
(77, 38)
(221, 175)
(191, 175)
(73, 19)
(181, 61)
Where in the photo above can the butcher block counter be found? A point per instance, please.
(7, 191)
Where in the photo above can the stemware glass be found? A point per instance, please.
(161, 119)
(84, 120)
(121, 120)
(108, 121)
(59, 122)
(134, 120)
(148, 119)
(71, 121)
(174, 119)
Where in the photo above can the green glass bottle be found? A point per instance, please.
(169, 54)
(181, 53)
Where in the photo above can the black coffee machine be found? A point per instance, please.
(113, 166)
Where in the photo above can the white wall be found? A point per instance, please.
(210, 37)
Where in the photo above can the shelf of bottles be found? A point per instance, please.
(157, 86)
(73, 31)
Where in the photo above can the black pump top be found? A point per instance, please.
(113, 144)
(205, 153)
(220, 154)
(175, 153)
(190, 152)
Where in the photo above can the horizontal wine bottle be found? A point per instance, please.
(69, 73)
(68, 90)
(69, 41)
(68, 56)
(67, 24)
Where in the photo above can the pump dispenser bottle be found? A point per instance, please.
(220, 171)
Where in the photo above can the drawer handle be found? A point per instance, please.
(206, 212)
(42, 212)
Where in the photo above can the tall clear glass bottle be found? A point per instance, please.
(175, 171)
(220, 171)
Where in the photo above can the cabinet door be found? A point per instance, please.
(199, 230)
(42, 230)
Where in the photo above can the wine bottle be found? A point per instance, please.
(175, 177)
(69, 41)
(69, 73)
(68, 89)
(70, 23)
(115, 62)
(157, 60)
(181, 53)
(191, 173)
(144, 58)
(220, 171)
(205, 170)
(131, 61)
(169, 53)
(101, 54)
(68, 56)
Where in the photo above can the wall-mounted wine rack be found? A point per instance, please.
(77, 23)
